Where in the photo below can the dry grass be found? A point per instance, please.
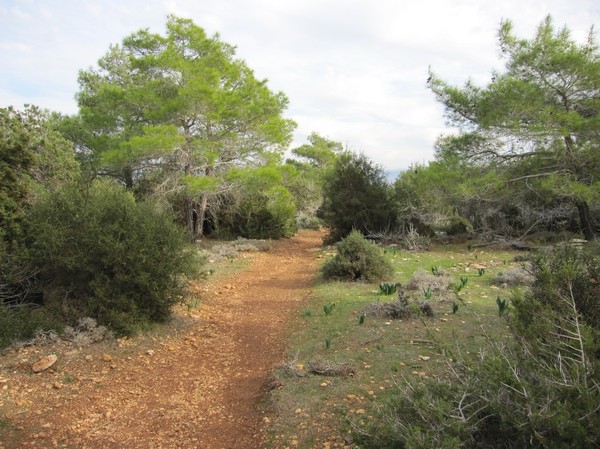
(422, 280)
(514, 277)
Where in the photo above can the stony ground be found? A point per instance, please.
(197, 386)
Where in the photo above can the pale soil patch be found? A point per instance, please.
(199, 386)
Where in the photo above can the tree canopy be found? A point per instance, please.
(180, 102)
(538, 122)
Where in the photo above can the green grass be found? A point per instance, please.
(309, 410)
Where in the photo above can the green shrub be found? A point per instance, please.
(22, 323)
(564, 272)
(457, 225)
(101, 254)
(507, 399)
(357, 259)
(356, 196)
(268, 214)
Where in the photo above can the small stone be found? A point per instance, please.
(324, 384)
(57, 385)
(360, 411)
(106, 357)
(424, 357)
(444, 319)
(44, 363)
(298, 411)
(150, 352)
(89, 357)
(266, 420)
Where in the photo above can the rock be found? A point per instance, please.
(89, 357)
(106, 357)
(360, 411)
(424, 357)
(44, 363)
(298, 411)
(57, 385)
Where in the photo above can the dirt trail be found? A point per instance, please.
(198, 389)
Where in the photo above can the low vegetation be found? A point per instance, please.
(357, 260)
(458, 379)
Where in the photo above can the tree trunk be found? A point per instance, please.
(202, 206)
(586, 220)
(188, 209)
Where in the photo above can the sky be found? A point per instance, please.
(354, 71)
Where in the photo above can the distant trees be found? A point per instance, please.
(309, 166)
(537, 123)
(181, 104)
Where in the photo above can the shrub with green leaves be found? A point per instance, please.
(566, 272)
(356, 196)
(357, 259)
(22, 323)
(101, 254)
(508, 398)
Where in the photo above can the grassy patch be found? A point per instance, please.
(313, 409)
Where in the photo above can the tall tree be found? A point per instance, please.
(539, 119)
(184, 103)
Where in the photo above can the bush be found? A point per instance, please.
(357, 259)
(268, 214)
(564, 272)
(514, 277)
(102, 255)
(507, 399)
(356, 196)
(22, 323)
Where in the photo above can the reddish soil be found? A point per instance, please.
(198, 386)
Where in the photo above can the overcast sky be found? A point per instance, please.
(354, 71)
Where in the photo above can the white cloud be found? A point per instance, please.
(354, 71)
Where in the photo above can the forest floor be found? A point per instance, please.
(197, 383)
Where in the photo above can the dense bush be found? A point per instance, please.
(357, 259)
(101, 254)
(269, 214)
(540, 389)
(566, 273)
(356, 196)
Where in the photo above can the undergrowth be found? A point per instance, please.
(310, 411)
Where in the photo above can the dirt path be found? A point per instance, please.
(198, 389)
